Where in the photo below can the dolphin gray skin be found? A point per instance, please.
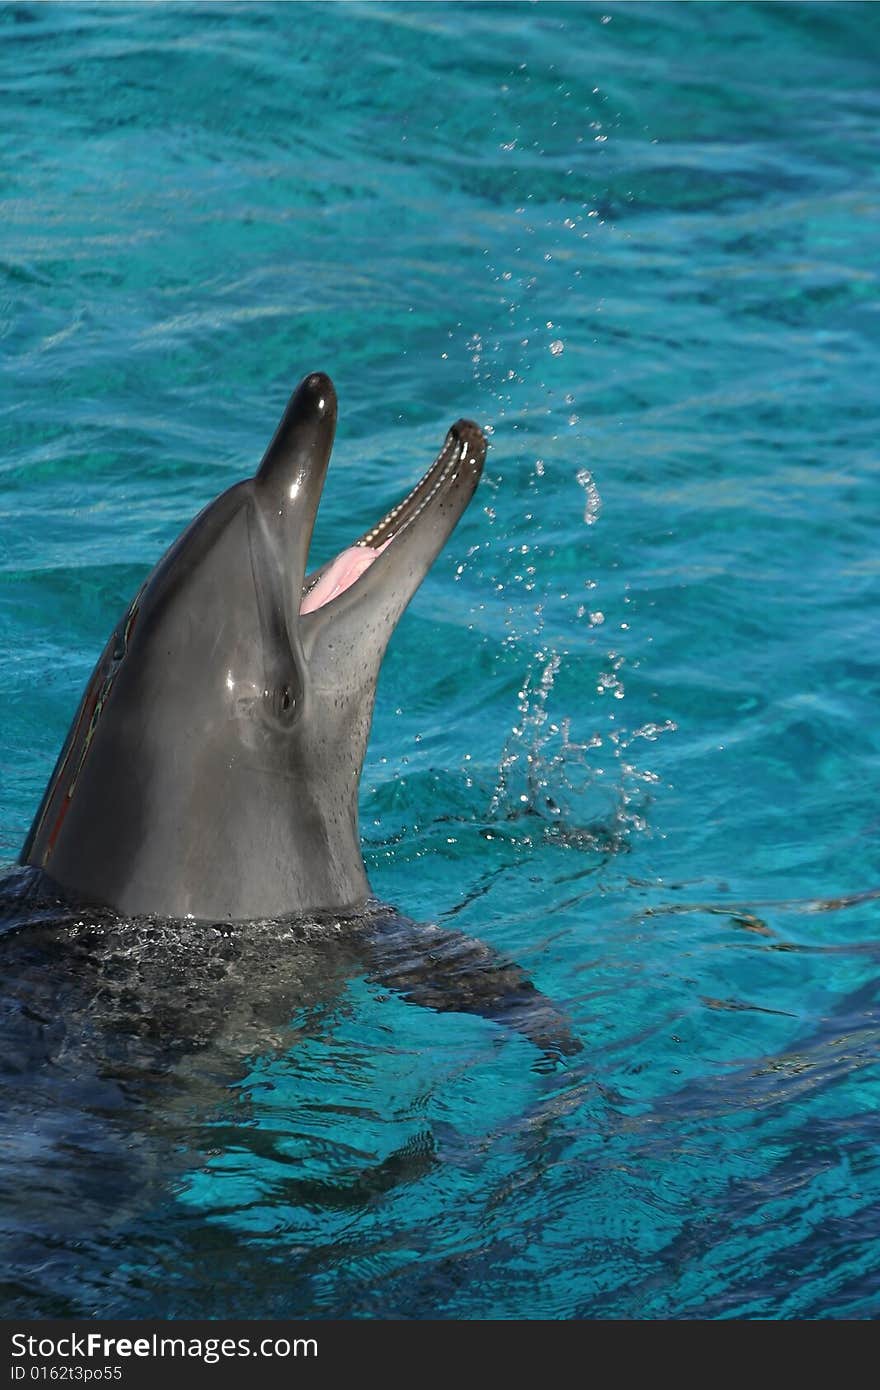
(212, 768)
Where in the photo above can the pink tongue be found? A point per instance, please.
(348, 566)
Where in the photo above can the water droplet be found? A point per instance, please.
(593, 501)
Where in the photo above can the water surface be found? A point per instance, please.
(627, 733)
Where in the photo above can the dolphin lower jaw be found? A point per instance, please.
(464, 446)
(462, 455)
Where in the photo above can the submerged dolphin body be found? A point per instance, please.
(140, 1056)
(212, 768)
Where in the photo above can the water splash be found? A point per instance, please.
(593, 503)
(584, 787)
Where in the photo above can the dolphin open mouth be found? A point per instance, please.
(462, 455)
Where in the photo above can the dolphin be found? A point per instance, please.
(192, 894)
(212, 768)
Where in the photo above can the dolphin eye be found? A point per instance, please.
(281, 701)
(287, 701)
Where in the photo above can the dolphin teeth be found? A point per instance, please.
(446, 467)
(418, 497)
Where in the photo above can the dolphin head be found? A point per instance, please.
(213, 766)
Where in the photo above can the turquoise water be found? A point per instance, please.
(626, 734)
